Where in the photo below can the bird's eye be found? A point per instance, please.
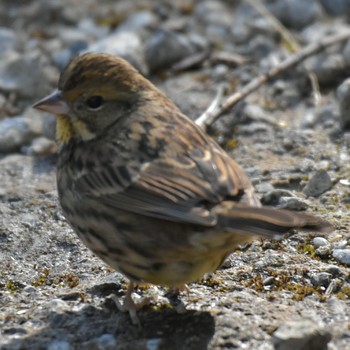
(94, 102)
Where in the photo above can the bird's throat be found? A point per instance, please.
(68, 129)
(64, 129)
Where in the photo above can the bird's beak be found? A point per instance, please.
(53, 103)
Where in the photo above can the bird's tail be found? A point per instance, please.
(267, 222)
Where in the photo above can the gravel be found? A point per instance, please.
(54, 293)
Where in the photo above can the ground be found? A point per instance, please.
(54, 293)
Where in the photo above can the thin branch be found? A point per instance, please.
(290, 62)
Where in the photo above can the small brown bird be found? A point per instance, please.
(144, 187)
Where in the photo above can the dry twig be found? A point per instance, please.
(207, 119)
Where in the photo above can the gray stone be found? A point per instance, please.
(213, 13)
(59, 345)
(268, 281)
(166, 47)
(89, 27)
(69, 36)
(324, 116)
(104, 342)
(264, 187)
(302, 335)
(14, 133)
(253, 128)
(61, 58)
(124, 44)
(328, 68)
(342, 255)
(273, 197)
(324, 251)
(296, 14)
(319, 183)
(340, 244)
(292, 203)
(138, 21)
(321, 279)
(8, 40)
(319, 241)
(334, 270)
(252, 112)
(153, 344)
(21, 74)
(40, 146)
(336, 7)
(343, 96)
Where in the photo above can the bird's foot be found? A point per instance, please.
(129, 305)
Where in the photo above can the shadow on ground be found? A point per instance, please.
(163, 329)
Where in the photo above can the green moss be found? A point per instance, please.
(43, 279)
(69, 280)
(11, 286)
(307, 249)
(231, 144)
(344, 293)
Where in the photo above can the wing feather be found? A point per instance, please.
(181, 189)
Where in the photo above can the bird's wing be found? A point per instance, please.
(181, 189)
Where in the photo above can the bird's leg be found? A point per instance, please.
(129, 305)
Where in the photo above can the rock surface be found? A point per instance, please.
(54, 293)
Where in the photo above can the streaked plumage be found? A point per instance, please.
(143, 186)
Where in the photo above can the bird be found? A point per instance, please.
(144, 187)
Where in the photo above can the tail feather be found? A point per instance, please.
(267, 222)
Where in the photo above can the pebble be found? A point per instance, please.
(296, 14)
(166, 47)
(14, 133)
(58, 306)
(327, 68)
(30, 290)
(124, 44)
(220, 72)
(264, 187)
(139, 21)
(342, 255)
(216, 18)
(319, 183)
(340, 244)
(336, 7)
(319, 241)
(292, 203)
(106, 341)
(334, 270)
(3, 101)
(268, 281)
(40, 146)
(89, 27)
(153, 344)
(253, 128)
(321, 279)
(316, 31)
(324, 117)
(59, 345)
(8, 40)
(254, 113)
(343, 96)
(21, 74)
(302, 334)
(324, 251)
(273, 197)
(70, 36)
